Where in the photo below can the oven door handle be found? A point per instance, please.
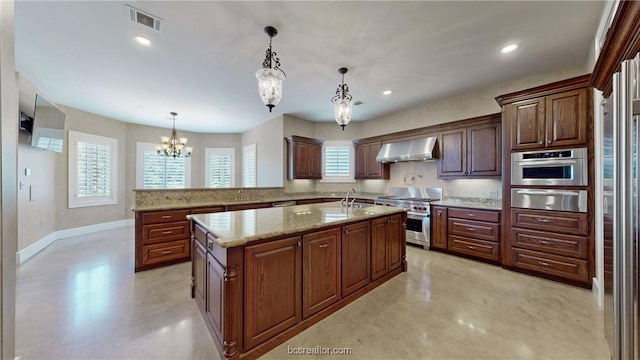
(546, 163)
(549, 192)
(417, 216)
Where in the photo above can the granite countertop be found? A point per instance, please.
(177, 204)
(236, 228)
(471, 203)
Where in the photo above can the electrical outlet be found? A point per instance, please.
(493, 194)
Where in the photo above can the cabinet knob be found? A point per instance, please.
(548, 141)
(540, 142)
(210, 244)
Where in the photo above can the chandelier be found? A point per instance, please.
(173, 145)
(342, 102)
(270, 77)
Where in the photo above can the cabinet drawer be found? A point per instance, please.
(565, 267)
(474, 229)
(567, 245)
(473, 214)
(249, 206)
(484, 249)
(164, 216)
(159, 253)
(208, 210)
(556, 221)
(160, 233)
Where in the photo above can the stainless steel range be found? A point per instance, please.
(416, 201)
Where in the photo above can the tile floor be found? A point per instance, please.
(80, 299)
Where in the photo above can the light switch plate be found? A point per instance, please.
(27, 172)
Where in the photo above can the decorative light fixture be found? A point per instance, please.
(173, 145)
(270, 77)
(342, 102)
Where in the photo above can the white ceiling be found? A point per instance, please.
(82, 54)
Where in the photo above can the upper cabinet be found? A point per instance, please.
(557, 120)
(366, 165)
(304, 158)
(472, 151)
(549, 116)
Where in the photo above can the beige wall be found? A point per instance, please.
(268, 138)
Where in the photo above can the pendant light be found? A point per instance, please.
(173, 145)
(342, 102)
(270, 77)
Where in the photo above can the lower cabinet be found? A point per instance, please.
(272, 294)
(199, 268)
(215, 295)
(439, 227)
(321, 270)
(356, 247)
(386, 245)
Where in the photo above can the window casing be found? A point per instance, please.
(337, 161)
(93, 170)
(220, 167)
(155, 171)
(249, 166)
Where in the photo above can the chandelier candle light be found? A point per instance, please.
(342, 102)
(173, 145)
(270, 77)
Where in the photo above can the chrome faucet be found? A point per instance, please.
(346, 199)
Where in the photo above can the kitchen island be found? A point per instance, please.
(262, 276)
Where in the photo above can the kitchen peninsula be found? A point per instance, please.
(261, 276)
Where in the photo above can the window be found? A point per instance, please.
(220, 167)
(249, 164)
(337, 161)
(92, 170)
(155, 171)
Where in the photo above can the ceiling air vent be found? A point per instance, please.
(144, 19)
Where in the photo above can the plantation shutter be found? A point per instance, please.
(94, 170)
(337, 161)
(220, 171)
(161, 172)
(249, 154)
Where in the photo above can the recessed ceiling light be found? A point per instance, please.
(387, 92)
(509, 48)
(143, 41)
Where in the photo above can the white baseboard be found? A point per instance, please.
(26, 253)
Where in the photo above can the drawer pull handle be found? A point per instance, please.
(471, 215)
(167, 232)
(471, 247)
(545, 263)
(545, 220)
(167, 216)
(210, 244)
(470, 229)
(323, 245)
(544, 242)
(167, 252)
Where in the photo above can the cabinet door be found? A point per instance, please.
(315, 161)
(439, 227)
(454, 150)
(215, 295)
(321, 270)
(301, 164)
(379, 248)
(272, 293)
(361, 161)
(355, 257)
(395, 241)
(374, 168)
(527, 120)
(566, 119)
(484, 150)
(199, 271)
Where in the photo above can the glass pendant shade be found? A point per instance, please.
(270, 86)
(342, 110)
(173, 145)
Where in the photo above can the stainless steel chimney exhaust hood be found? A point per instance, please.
(412, 150)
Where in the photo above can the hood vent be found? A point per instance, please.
(413, 150)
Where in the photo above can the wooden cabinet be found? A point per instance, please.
(162, 237)
(321, 270)
(550, 242)
(439, 227)
(304, 158)
(309, 201)
(356, 260)
(473, 151)
(387, 245)
(214, 295)
(474, 232)
(366, 166)
(273, 296)
(556, 120)
(261, 205)
(199, 269)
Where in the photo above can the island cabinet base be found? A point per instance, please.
(256, 296)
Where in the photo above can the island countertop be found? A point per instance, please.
(237, 228)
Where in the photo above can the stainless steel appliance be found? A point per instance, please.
(416, 201)
(553, 168)
(620, 212)
(550, 199)
(412, 150)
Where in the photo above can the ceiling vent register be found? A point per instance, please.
(144, 19)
